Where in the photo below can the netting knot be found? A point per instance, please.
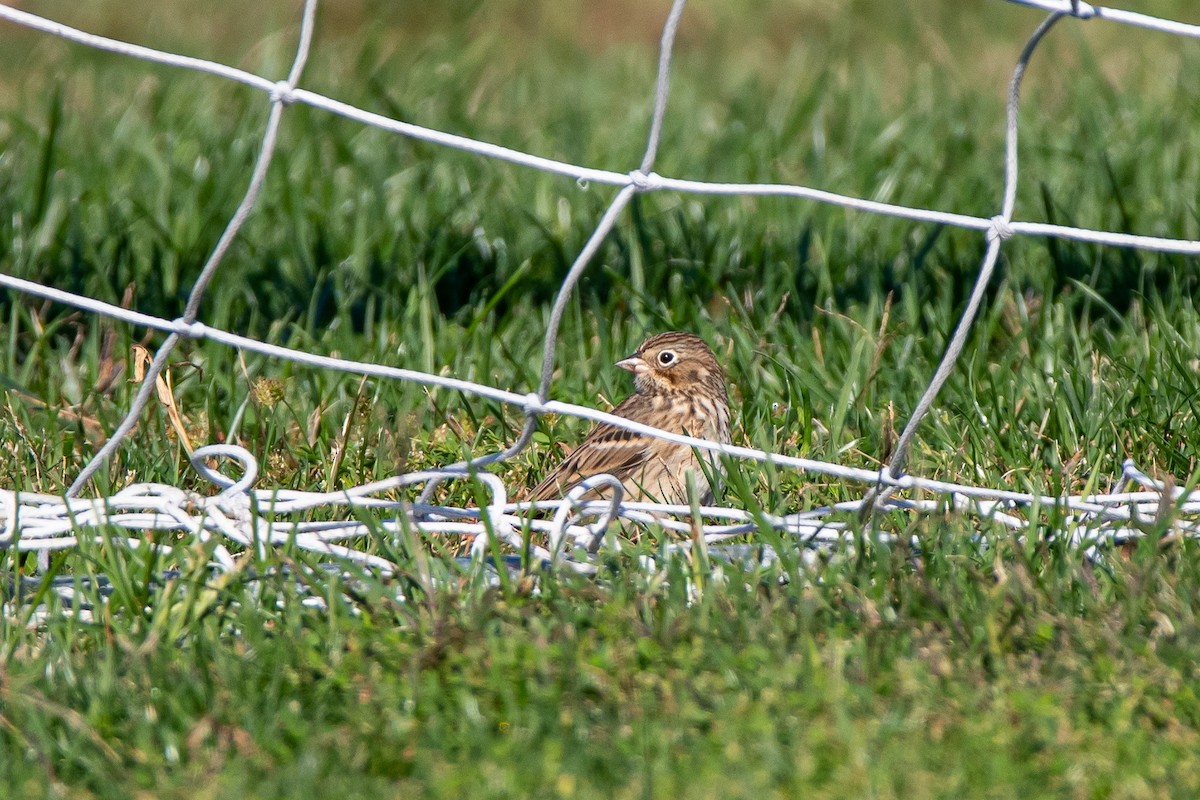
(1082, 10)
(190, 330)
(533, 404)
(281, 92)
(1000, 229)
(643, 180)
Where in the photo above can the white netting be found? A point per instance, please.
(260, 519)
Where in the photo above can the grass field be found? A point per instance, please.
(1020, 671)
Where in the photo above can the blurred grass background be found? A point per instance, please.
(1016, 672)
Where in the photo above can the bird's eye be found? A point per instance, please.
(666, 357)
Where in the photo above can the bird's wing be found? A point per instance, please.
(606, 449)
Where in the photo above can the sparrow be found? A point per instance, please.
(679, 387)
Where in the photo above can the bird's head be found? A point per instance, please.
(672, 362)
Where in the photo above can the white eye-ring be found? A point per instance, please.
(666, 357)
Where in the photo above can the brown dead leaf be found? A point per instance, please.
(162, 386)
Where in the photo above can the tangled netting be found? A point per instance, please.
(568, 532)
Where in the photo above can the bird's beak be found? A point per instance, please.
(634, 364)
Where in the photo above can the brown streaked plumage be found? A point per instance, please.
(680, 387)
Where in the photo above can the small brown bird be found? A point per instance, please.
(680, 387)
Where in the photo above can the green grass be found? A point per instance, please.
(1017, 671)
